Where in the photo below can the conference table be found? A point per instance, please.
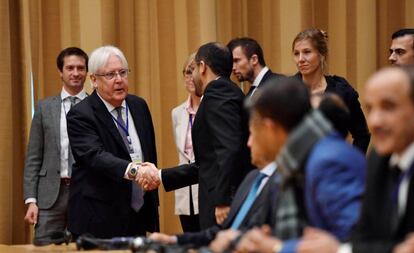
(26, 248)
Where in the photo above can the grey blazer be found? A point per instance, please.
(42, 166)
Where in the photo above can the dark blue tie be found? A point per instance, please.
(248, 202)
(72, 100)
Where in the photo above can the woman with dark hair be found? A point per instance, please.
(310, 51)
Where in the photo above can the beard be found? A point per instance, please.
(198, 87)
(249, 76)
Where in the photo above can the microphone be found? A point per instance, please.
(57, 237)
(88, 241)
(135, 244)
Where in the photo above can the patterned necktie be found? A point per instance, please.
(72, 100)
(137, 199)
(248, 202)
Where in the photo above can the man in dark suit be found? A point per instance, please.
(111, 133)
(219, 135)
(387, 222)
(242, 216)
(249, 63)
(49, 162)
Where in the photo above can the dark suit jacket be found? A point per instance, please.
(269, 75)
(255, 217)
(99, 201)
(375, 232)
(222, 158)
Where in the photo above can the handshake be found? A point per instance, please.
(147, 176)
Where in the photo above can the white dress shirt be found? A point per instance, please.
(259, 78)
(133, 134)
(64, 140)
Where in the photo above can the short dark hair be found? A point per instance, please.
(249, 47)
(68, 52)
(284, 100)
(335, 110)
(402, 33)
(217, 57)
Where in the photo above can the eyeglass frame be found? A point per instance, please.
(115, 74)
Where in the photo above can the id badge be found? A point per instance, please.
(136, 158)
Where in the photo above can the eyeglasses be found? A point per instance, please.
(111, 75)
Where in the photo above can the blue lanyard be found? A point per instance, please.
(396, 190)
(124, 128)
(191, 121)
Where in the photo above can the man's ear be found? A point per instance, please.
(60, 74)
(254, 59)
(93, 81)
(202, 67)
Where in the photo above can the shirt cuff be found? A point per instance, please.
(30, 200)
(160, 177)
(345, 248)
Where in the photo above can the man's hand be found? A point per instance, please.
(317, 240)
(407, 246)
(147, 176)
(159, 237)
(221, 213)
(223, 240)
(258, 240)
(31, 214)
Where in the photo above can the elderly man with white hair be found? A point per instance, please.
(111, 133)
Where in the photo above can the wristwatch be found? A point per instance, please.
(133, 171)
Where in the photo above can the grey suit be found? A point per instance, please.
(42, 170)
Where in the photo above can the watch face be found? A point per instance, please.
(133, 171)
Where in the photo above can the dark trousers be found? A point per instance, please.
(190, 223)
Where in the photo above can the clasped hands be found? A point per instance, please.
(148, 177)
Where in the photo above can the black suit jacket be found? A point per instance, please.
(269, 75)
(375, 232)
(222, 158)
(255, 217)
(99, 201)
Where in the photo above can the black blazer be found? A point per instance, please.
(222, 158)
(375, 232)
(255, 217)
(269, 75)
(357, 125)
(99, 201)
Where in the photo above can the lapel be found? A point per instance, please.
(102, 114)
(138, 116)
(259, 198)
(409, 204)
(56, 105)
(238, 202)
(265, 77)
(183, 119)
